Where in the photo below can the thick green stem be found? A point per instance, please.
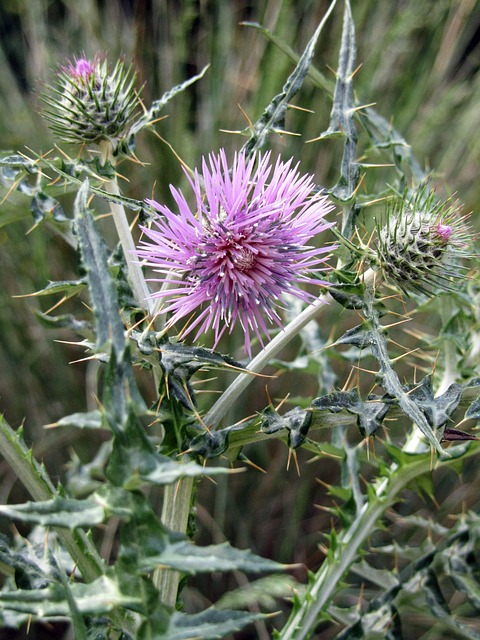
(177, 502)
(135, 274)
(327, 579)
(37, 482)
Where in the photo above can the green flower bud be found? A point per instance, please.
(421, 242)
(91, 105)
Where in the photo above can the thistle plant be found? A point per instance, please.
(240, 316)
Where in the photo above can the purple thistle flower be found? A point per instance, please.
(242, 246)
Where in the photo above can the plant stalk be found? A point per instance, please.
(241, 382)
(332, 570)
(302, 623)
(137, 280)
(177, 501)
(37, 482)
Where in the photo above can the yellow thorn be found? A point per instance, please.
(363, 106)
(282, 402)
(253, 465)
(250, 123)
(404, 355)
(94, 357)
(294, 106)
(366, 370)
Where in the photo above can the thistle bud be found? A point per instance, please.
(90, 105)
(421, 243)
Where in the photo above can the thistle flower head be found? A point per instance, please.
(90, 104)
(421, 243)
(240, 247)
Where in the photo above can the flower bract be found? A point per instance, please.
(243, 245)
(422, 243)
(91, 103)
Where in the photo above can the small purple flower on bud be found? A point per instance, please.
(421, 243)
(444, 231)
(92, 104)
(83, 69)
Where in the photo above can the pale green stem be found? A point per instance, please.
(177, 501)
(137, 280)
(349, 542)
(37, 482)
(135, 274)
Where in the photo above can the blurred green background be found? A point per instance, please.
(419, 65)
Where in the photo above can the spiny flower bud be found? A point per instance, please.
(91, 105)
(421, 241)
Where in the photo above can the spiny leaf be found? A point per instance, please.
(68, 287)
(87, 420)
(96, 598)
(147, 544)
(273, 118)
(135, 461)
(120, 389)
(18, 162)
(385, 136)
(207, 625)
(370, 414)
(381, 620)
(437, 410)
(58, 512)
(263, 593)
(210, 444)
(296, 422)
(342, 119)
(358, 336)
(31, 563)
(180, 362)
(95, 262)
(338, 401)
(67, 321)
(473, 411)
(390, 380)
(153, 113)
(189, 558)
(383, 578)
(43, 204)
